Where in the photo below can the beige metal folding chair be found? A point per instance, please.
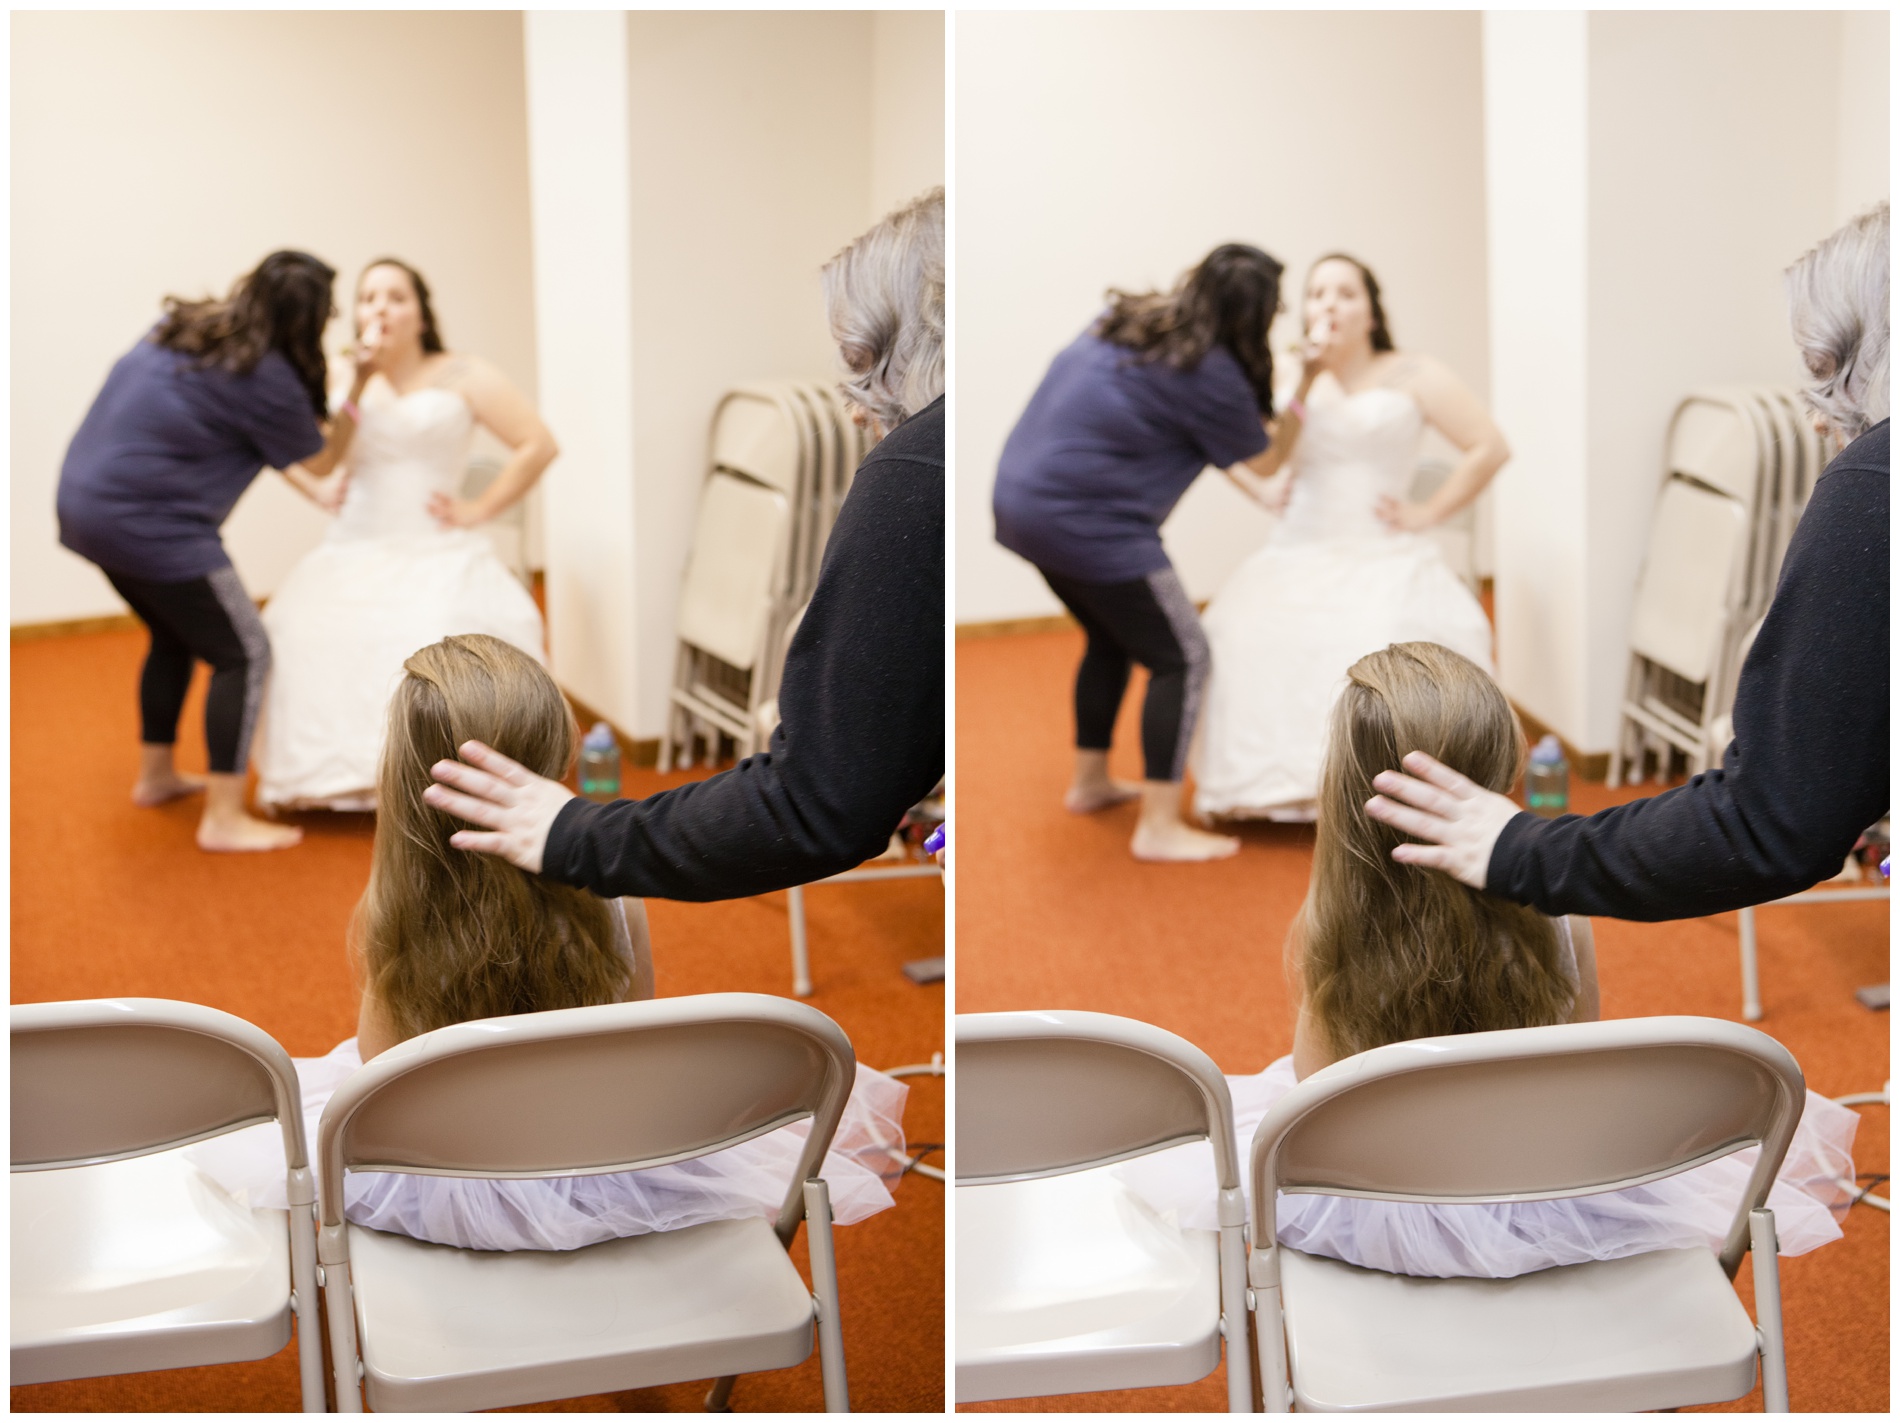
(1066, 1282)
(1524, 1115)
(584, 1091)
(124, 1256)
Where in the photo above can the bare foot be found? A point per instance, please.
(1180, 842)
(157, 790)
(245, 832)
(1099, 795)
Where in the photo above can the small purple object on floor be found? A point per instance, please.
(938, 839)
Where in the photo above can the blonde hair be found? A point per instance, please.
(884, 296)
(445, 935)
(1387, 952)
(1837, 304)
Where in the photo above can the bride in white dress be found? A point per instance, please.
(405, 564)
(1349, 568)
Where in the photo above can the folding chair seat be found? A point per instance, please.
(125, 1257)
(1525, 1115)
(578, 1092)
(1066, 1282)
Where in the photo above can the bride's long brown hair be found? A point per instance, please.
(1387, 952)
(446, 935)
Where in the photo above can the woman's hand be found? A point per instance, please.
(365, 354)
(453, 513)
(1403, 516)
(331, 492)
(1460, 817)
(517, 806)
(1317, 351)
(1275, 492)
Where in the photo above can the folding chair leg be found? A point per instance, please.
(801, 954)
(341, 1307)
(824, 1283)
(719, 1397)
(1233, 1308)
(1751, 966)
(1269, 1329)
(1774, 1359)
(303, 1276)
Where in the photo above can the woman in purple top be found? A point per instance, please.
(1159, 388)
(216, 391)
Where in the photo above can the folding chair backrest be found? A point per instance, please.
(1045, 1093)
(738, 554)
(1533, 1113)
(109, 1079)
(1712, 441)
(581, 1091)
(754, 435)
(1698, 544)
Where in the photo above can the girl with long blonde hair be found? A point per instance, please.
(1384, 952)
(441, 937)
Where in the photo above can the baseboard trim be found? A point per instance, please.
(74, 627)
(1009, 627)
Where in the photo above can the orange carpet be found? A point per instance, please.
(109, 900)
(1052, 912)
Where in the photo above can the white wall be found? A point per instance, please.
(578, 107)
(168, 152)
(907, 97)
(757, 145)
(1537, 81)
(1679, 157)
(1863, 175)
(1116, 149)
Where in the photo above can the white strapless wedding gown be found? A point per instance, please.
(386, 581)
(1331, 584)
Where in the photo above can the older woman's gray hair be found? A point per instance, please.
(884, 298)
(1837, 301)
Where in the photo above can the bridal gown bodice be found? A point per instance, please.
(407, 449)
(1354, 450)
(1331, 583)
(387, 580)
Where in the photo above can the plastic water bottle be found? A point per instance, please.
(600, 763)
(1547, 781)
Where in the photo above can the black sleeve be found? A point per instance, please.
(1807, 771)
(860, 736)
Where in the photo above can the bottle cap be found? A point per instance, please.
(601, 738)
(1547, 752)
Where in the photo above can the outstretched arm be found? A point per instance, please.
(859, 743)
(1806, 773)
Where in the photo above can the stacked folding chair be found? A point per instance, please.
(783, 454)
(1738, 466)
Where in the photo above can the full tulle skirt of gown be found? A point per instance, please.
(341, 626)
(864, 1162)
(387, 581)
(1497, 1241)
(1282, 633)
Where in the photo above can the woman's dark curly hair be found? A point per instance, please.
(281, 305)
(1229, 300)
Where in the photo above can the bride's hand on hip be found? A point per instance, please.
(330, 493)
(517, 807)
(1460, 818)
(453, 513)
(1403, 516)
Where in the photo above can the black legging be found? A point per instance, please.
(1150, 621)
(210, 619)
